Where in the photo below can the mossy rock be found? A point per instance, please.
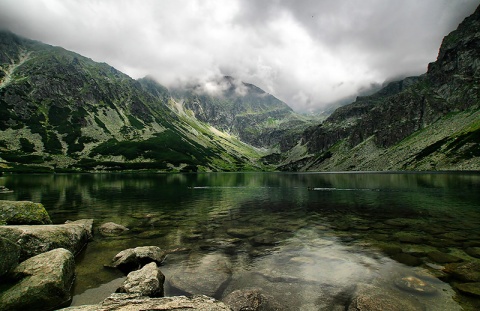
(23, 213)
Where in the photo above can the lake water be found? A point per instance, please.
(309, 240)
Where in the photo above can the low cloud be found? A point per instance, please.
(307, 53)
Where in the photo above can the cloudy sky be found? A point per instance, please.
(306, 52)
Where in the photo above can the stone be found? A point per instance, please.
(473, 251)
(241, 232)
(111, 229)
(263, 240)
(415, 285)
(37, 239)
(42, 282)
(134, 258)
(147, 281)
(207, 277)
(467, 272)
(372, 298)
(442, 258)
(252, 299)
(472, 289)
(134, 302)
(407, 259)
(23, 213)
(9, 255)
(408, 237)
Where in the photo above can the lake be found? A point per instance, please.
(309, 240)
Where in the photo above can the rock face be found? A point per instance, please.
(372, 298)
(23, 213)
(111, 229)
(373, 132)
(147, 281)
(40, 283)
(37, 239)
(134, 258)
(9, 255)
(132, 302)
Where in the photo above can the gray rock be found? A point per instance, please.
(372, 298)
(206, 277)
(9, 255)
(37, 239)
(111, 229)
(250, 299)
(134, 302)
(147, 281)
(42, 282)
(134, 258)
(23, 213)
(467, 272)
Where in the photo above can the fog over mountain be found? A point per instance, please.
(307, 53)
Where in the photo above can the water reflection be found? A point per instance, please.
(310, 240)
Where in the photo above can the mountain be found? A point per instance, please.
(60, 111)
(430, 122)
(244, 110)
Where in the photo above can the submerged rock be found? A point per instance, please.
(415, 285)
(473, 251)
(440, 257)
(9, 255)
(407, 259)
(23, 213)
(147, 281)
(37, 239)
(467, 272)
(40, 283)
(111, 229)
(372, 298)
(250, 299)
(134, 258)
(472, 289)
(133, 302)
(242, 232)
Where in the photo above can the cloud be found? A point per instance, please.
(308, 53)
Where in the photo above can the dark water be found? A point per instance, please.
(308, 240)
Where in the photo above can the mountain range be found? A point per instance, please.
(62, 112)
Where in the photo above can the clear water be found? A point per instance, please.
(307, 239)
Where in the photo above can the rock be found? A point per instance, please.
(9, 255)
(473, 251)
(408, 237)
(372, 298)
(415, 285)
(135, 258)
(263, 240)
(111, 229)
(42, 282)
(407, 259)
(37, 239)
(467, 272)
(147, 281)
(472, 289)
(390, 250)
(241, 232)
(133, 302)
(208, 276)
(440, 257)
(23, 213)
(250, 299)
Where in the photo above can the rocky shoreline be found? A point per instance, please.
(37, 272)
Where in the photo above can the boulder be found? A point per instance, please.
(467, 272)
(23, 213)
(473, 251)
(147, 281)
(131, 302)
(134, 258)
(372, 298)
(208, 276)
(9, 255)
(111, 229)
(37, 239)
(472, 289)
(251, 299)
(40, 283)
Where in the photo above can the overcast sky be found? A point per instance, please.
(306, 52)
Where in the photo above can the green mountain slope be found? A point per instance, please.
(420, 123)
(62, 111)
